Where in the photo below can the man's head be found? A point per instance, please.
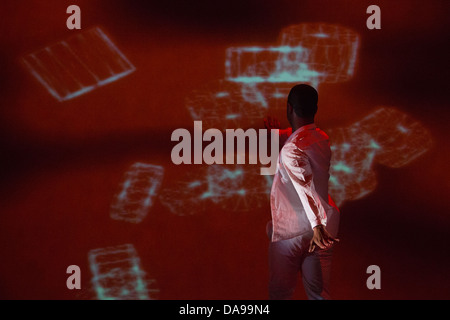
(302, 104)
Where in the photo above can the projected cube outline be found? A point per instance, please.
(78, 65)
(242, 185)
(117, 274)
(138, 190)
(331, 51)
(224, 102)
(387, 136)
(238, 188)
(258, 79)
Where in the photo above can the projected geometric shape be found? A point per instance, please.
(402, 139)
(237, 188)
(183, 196)
(268, 64)
(308, 53)
(258, 79)
(387, 136)
(117, 274)
(224, 104)
(141, 184)
(330, 51)
(77, 65)
(351, 174)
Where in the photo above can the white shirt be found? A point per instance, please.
(299, 197)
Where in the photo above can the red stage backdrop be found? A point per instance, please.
(87, 117)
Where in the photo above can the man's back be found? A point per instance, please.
(304, 220)
(316, 145)
(299, 197)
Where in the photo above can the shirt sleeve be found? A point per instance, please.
(300, 173)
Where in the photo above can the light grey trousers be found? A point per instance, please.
(288, 258)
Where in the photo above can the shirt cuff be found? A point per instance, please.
(318, 222)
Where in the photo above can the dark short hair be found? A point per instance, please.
(303, 98)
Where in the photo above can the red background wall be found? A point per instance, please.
(61, 163)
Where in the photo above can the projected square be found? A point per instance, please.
(117, 274)
(79, 64)
(140, 186)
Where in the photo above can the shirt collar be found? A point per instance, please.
(311, 126)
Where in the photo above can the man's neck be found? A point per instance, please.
(300, 122)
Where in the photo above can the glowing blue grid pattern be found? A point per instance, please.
(237, 188)
(78, 65)
(269, 64)
(331, 51)
(386, 136)
(224, 104)
(141, 184)
(309, 53)
(117, 274)
(258, 79)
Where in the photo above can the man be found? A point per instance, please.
(304, 218)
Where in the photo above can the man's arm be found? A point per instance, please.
(299, 169)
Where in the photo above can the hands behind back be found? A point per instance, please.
(321, 238)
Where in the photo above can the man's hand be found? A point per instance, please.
(321, 238)
(271, 123)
